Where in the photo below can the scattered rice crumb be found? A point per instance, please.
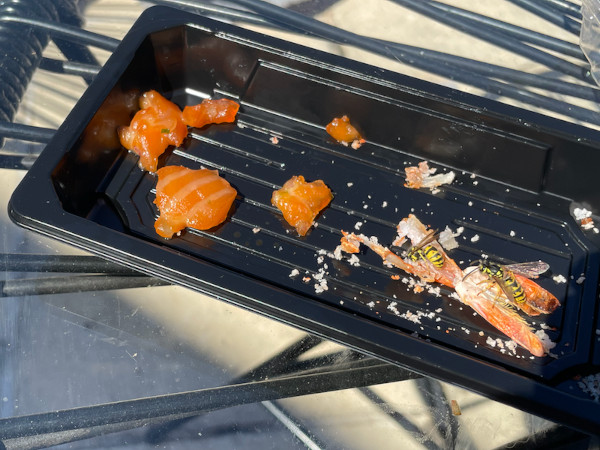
(581, 213)
(274, 140)
(354, 261)
(255, 230)
(384, 204)
(357, 225)
(584, 217)
(447, 238)
(475, 238)
(591, 385)
(546, 342)
(294, 273)
(559, 279)
(512, 233)
(490, 341)
(350, 184)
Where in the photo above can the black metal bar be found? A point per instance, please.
(533, 37)
(341, 36)
(497, 87)
(16, 162)
(15, 262)
(433, 395)
(67, 32)
(507, 42)
(273, 367)
(195, 402)
(220, 11)
(81, 283)
(547, 13)
(586, 92)
(414, 430)
(296, 427)
(566, 7)
(26, 132)
(69, 67)
(69, 15)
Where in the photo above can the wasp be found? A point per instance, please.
(424, 250)
(504, 276)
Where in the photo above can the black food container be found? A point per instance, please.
(519, 176)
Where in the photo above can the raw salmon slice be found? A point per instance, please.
(153, 128)
(210, 111)
(197, 199)
(344, 132)
(300, 202)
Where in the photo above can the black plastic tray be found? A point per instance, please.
(518, 176)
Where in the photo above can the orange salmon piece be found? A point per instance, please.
(210, 111)
(199, 199)
(153, 128)
(342, 130)
(300, 202)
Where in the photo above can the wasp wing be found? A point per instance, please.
(530, 269)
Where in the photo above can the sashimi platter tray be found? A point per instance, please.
(440, 231)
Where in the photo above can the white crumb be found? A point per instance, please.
(581, 213)
(475, 238)
(491, 342)
(255, 230)
(447, 238)
(546, 342)
(591, 385)
(559, 279)
(294, 273)
(354, 261)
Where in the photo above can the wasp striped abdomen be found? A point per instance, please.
(431, 254)
(424, 250)
(505, 278)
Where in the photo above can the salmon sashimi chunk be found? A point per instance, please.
(197, 199)
(153, 128)
(210, 111)
(344, 132)
(300, 201)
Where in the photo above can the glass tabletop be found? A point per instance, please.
(95, 355)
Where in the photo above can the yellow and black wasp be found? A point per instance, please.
(424, 250)
(504, 276)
